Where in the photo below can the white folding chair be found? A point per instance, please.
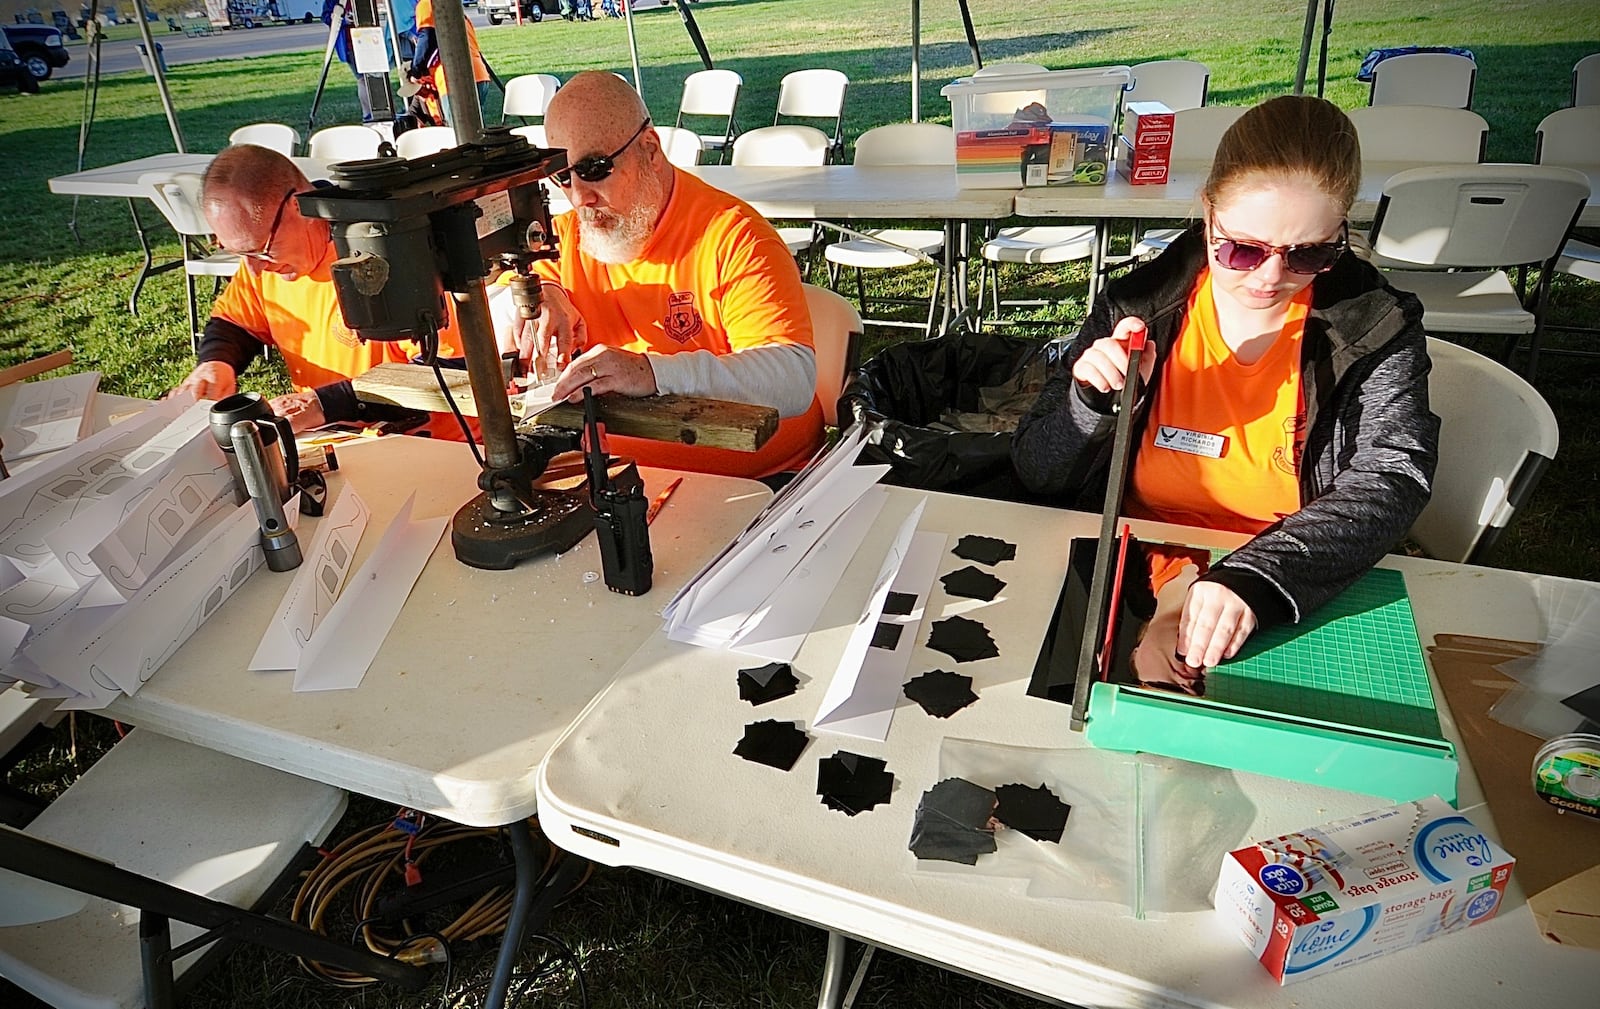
(1195, 135)
(425, 140)
(1473, 220)
(1496, 437)
(344, 143)
(1571, 137)
(273, 136)
(682, 147)
(785, 147)
(177, 196)
(836, 335)
(1586, 81)
(712, 94)
(815, 94)
(1177, 84)
(1442, 79)
(781, 146)
(214, 825)
(1421, 133)
(899, 144)
(528, 95)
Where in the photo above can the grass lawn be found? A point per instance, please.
(647, 942)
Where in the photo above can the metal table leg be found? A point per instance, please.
(834, 994)
(149, 260)
(1097, 262)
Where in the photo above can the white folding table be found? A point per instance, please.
(1180, 198)
(479, 676)
(647, 778)
(122, 180)
(860, 192)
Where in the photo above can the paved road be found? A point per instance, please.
(116, 57)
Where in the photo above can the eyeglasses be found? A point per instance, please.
(265, 255)
(596, 167)
(1318, 257)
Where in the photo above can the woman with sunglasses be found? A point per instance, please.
(1284, 386)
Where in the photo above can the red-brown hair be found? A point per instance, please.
(1285, 137)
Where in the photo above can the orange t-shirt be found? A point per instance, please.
(714, 276)
(301, 318)
(1221, 447)
(480, 69)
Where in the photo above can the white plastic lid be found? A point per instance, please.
(1088, 77)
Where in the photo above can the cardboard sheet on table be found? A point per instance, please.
(861, 696)
(1551, 848)
(354, 629)
(47, 416)
(311, 595)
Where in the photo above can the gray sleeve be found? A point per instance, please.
(782, 376)
(1058, 444)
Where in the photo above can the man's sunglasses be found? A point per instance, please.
(596, 167)
(1233, 254)
(265, 255)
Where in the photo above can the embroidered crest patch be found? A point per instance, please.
(683, 322)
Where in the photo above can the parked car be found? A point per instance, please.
(532, 10)
(40, 47)
(13, 73)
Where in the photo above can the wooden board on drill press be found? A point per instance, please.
(691, 420)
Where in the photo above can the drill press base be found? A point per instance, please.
(484, 537)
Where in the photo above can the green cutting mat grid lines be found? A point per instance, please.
(1356, 662)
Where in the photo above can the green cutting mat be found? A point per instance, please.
(1355, 662)
(1342, 700)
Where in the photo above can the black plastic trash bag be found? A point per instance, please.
(941, 412)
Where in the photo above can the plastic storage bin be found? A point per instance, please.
(1049, 129)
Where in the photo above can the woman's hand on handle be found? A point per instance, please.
(1104, 366)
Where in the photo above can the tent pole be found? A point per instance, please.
(916, 61)
(160, 76)
(1305, 47)
(336, 21)
(972, 36)
(633, 48)
(693, 28)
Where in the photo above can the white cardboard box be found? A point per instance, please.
(1329, 896)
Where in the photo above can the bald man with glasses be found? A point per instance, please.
(282, 297)
(666, 285)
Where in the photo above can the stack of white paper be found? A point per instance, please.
(47, 416)
(330, 625)
(861, 697)
(761, 595)
(113, 550)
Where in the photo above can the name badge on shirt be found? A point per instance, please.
(1191, 442)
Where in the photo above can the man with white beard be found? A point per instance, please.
(668, 286)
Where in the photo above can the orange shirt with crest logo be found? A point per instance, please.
(1257, 408)
(713, 276)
